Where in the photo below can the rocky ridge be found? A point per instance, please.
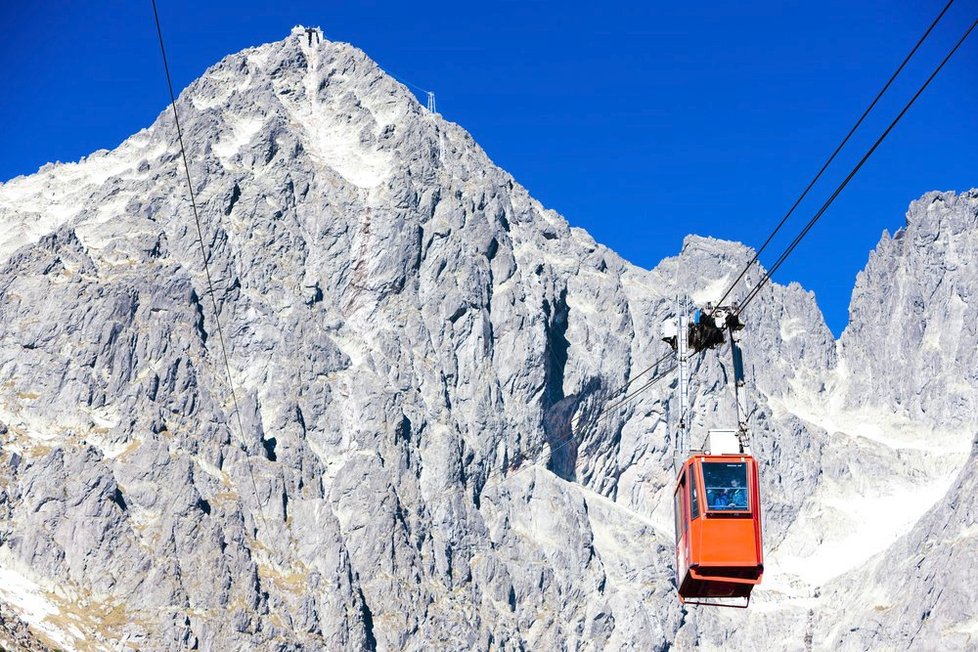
(416, 347)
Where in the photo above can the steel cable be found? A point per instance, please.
(203, 252)
(794, 243)
(835, 153)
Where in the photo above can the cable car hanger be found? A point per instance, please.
(719, 554)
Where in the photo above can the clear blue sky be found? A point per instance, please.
(639, 121)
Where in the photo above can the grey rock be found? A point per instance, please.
(411, 457)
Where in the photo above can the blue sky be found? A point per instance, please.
(639, 121)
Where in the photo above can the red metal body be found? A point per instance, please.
(718, 528)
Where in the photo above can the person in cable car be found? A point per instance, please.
(737, 495)
(726, 488)
(718, 498)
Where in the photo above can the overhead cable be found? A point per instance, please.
(203, 252)
(794, 243)
(835, 153)
(636, 377)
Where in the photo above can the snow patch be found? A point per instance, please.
(35, 206)
(712, 292)
(792, 328)
(257, 58)
(838, 531)
(844, 524)
(32, 603)
(210, 469)
(332, 144)
(227, 84)
(871, 422)
(969, 627)
(332, 137)
(243, 129)
(944, 335)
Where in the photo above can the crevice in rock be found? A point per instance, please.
(403, 430)
(118, 499)
(203, 506)
(315, 295)
(557, 346)
(455, 316)
(370, 642)
(492, 249)
(271, 147)
(300, 419)
(269, 446)
(557, 426)
(199, 320)
(232, 199)
(558, 408)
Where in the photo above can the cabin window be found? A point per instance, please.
(726, 485)
(680, 520)
(694, 502)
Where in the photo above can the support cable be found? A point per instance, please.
(638, 391)
(634, 378)
(622, 388)
(429, 95)
(794, 243)
(835, 153)
(203, 252)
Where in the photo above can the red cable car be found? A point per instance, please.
(718, 529)
(717, 499)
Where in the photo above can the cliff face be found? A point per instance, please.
(912, 360)
(916, 301)
(419, 351)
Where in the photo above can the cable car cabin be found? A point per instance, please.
(718, 529)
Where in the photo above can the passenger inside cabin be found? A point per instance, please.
(726, 485)
(736, 495)
(718, 499)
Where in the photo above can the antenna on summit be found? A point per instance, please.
(313, 31)
(429, 94)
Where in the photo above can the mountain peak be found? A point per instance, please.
(345, 111)
(429, 399)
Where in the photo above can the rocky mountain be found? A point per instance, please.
(421, 358)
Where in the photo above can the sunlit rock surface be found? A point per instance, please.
(420, 353)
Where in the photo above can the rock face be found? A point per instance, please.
(917, 300)
(410, 454)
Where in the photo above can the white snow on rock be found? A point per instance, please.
(419, 350)
(243, 129)
(36, 607)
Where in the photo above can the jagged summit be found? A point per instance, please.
(246, 99)
(419, 349)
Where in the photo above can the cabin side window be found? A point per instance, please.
(679, 506)
(694, 502)
(726, 486)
